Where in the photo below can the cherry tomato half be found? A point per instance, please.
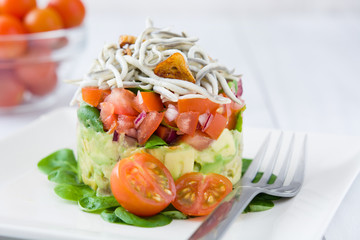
(142, 184)
(17, 8)
(71, 11)
(10, 25)
(198, 194)
(42, 20)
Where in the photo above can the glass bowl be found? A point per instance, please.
(31, 66)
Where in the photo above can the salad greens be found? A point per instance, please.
(61, 168)
(90, 117)
(154, 142)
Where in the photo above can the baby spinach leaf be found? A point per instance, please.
(109, 216)
(154, 221)
(95, 203)
(155, 142)
(245, 165)
(258, 205)
(73, 193)
(233, 86)
(63, 176)
(174, 214)
(264, 196)
(90, 117)
(63, 159)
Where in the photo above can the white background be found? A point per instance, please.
(300, 62)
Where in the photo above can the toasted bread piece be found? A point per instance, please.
(174, 67)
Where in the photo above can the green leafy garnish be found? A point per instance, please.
(63, 159)
(73, 193)
(174, 214)
(131, 219)
(64, 176)
(95, 203)
(109, 216)
(233, 86)
(89, 116)
(155, 142)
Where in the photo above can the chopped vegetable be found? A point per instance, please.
(199, 105)
(90, 117)
(149, 126)
(216, 126)
(122, 100)
(94, 96)
(142, 184)
(187, 122)
(148, 102)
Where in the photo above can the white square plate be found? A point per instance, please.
(30, 209)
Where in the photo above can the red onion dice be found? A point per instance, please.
(171, 113)
(140, 118)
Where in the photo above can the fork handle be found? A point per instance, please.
(216, 224)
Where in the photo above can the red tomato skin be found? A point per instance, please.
(10, 25)
(135, 201)
(199, 141)
(125, 123)
(163, 132)
(94, 96)
(151, 101)
(216, 126)
(149, 125)
(16, 8)
(122, 100)
(199, 105)
(187, 122)
(199, 184)
(11, 90)
(72, 12)
(42, 20)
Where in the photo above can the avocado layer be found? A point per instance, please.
(98, 154)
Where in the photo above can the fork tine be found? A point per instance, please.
(300, 168)
(256, 162)
(285, 165)
(270, 167)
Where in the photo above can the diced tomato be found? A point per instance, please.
(163, 132)
(199, 141)
(142, 184)
(187, 122)
(199, 105)
(108, 117)
(125, 123)
(198, 194)
(148, 126)
(122, 101)
(94, 96)
(216, 126)
(148, 102)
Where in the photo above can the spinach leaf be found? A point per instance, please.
(109, 216)
(63, 176)
(233, 86)
(73, 193)
(265, 196)
(95, 203)
(155, 142)
(63, 159)
(239, 121)
(174, 214)
(136, 89)
(258, 205)
(154, 221)
(245, 165)
(90, 117)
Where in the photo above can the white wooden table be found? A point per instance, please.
(301, 70)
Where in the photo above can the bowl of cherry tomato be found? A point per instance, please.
(37, 46)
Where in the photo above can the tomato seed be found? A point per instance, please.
(168, 191)
(187, 196)
(192, 182)
(157, 197)
(185, 190)
(210, 199)
(192, 197)
(222, 188)
(205, 195)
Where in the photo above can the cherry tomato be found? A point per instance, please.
(17, 8)
(42, 20)
(142, 184)
(94, 96)
(198, 194)
(122, 100)
(40, 78)
(10, 25)
(71, 11)
(108, 116)
(148, 126)
(187, 122)
(199, 141)
(11, 90)
(199, 105)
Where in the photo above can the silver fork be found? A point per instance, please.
(236, 201)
